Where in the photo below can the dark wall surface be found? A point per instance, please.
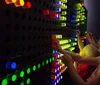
(93, 19)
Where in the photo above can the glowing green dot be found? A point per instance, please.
(47, 61)
(22, 74)
(22, 83)
(28, 71)
(28, 81)
(50, 60)
(82, 23)
(39, 65)
(62, 18)
(53, 51)
(63, 24)
(34, 68)
(14, 77)
(43, 63)
(63, 12)
(4, 82)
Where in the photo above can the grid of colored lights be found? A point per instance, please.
(62, 11)
(67, 44)
(80, 13)
(57, 66)
(19, 3)
(78, 16)
(23, 72)
(60, 37)
(50, 14)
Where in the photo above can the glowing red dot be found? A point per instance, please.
(56, 57)
(27, 5)
(53, 15)
(54, 63)
(46, 12)
(54, 44)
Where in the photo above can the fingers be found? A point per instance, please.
(88, 36)
(64, 60)
(90, 33)
(77, 31)
(91, 39)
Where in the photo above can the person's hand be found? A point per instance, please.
(77, 32)
(92, 39)
(67, 59)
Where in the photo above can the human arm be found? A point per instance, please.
(76, 57)
(74, 74)
(79, 59)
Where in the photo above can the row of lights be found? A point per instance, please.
(50, 13)
(25, 81)
(57, 69)
(81, 15)
(62, 12)
(56, 75)
(19, 3)
(57, 66)
(65, 43)
(21, 74)
(60, 37)
(59, 12)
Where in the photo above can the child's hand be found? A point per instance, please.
(67, 59)
(92, 39)
(77, 32)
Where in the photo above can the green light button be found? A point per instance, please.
(43, 63)
(4, 82)
(47, 61)
(50, 60)
(14, 77)
(22, 83)
(34, 68)
(28, 71)
(39, 65)
(22, 74)
(28, 81)
(53, 51)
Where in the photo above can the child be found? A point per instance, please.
(68, 60)
(89, 50)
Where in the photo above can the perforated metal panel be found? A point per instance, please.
(25, 38)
